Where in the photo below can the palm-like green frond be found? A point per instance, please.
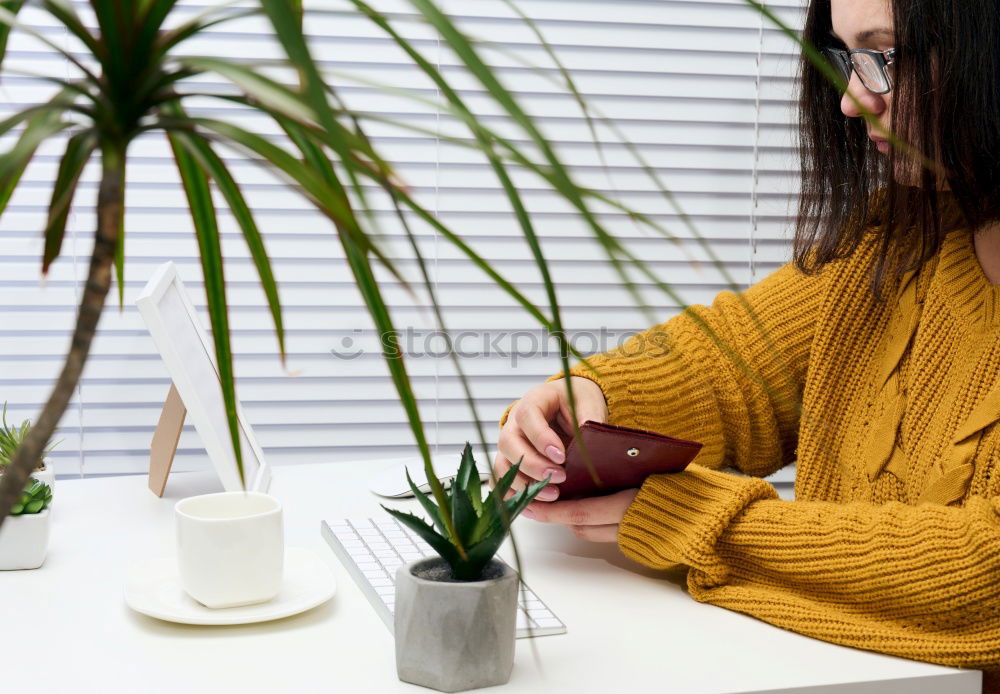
(12, 7)
(213, 165)
(79, 149)
(63, 11)
(199, 195)
(40, 127)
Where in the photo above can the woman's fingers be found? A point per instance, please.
(594, 511)
(588, 399)
(596, 533)
(528, 435)
(548, 493)
(521, 481)
(512, 445)
(534, 425)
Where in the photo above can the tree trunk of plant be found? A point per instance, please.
(95, 291)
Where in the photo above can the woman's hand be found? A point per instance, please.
(531, 431)
(595, 519)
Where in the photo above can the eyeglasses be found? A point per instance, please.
(869, 64)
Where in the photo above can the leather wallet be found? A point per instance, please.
(621, 458)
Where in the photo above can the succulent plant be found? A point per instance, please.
(481, 525)
(11, 438)
(34, 499)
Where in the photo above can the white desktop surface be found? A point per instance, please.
(65, 627)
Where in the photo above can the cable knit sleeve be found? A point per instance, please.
(913, 581)
(729, 375)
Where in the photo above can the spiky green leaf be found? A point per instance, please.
(492, 506)
(13, 7)
(120, 246)
(212, 17)
(468, 479)
(517, 503)
(213, 164)
(199, 195)
(63, 11)
(439, 544)
(39, 128)
(261, 88)
(428, 505)
(462, 512)
(79, 148)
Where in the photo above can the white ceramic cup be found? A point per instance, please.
(230, 547)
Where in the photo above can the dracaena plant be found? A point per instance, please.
(480, 525)
(131, 76)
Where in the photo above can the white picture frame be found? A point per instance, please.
(189, 357)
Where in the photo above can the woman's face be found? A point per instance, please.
(865, 24)
(868, 24)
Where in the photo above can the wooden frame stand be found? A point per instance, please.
(165, 439)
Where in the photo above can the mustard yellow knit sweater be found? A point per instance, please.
(889, 410)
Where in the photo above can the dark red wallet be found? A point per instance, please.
(621, 458)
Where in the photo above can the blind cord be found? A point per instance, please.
(437, 188)
(756, 151)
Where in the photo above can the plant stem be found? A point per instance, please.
(95, 291)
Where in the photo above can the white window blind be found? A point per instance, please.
(703, 89)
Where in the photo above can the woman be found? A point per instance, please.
(872, 360)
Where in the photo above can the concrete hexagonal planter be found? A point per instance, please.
(455, 635)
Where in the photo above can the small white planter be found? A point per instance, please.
(24, 541)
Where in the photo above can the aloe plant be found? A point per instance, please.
(480, 525)
(11, 438)
(35, 498)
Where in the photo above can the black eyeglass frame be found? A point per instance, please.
(882, 58)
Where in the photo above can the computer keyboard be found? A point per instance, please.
(373, 548)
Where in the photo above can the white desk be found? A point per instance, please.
(67, 627)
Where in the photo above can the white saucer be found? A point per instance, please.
(154, 588)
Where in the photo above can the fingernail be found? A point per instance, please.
(557, 473)
(527, 513)
(548, 494)
(554, 454)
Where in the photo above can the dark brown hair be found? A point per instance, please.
(847, 189)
